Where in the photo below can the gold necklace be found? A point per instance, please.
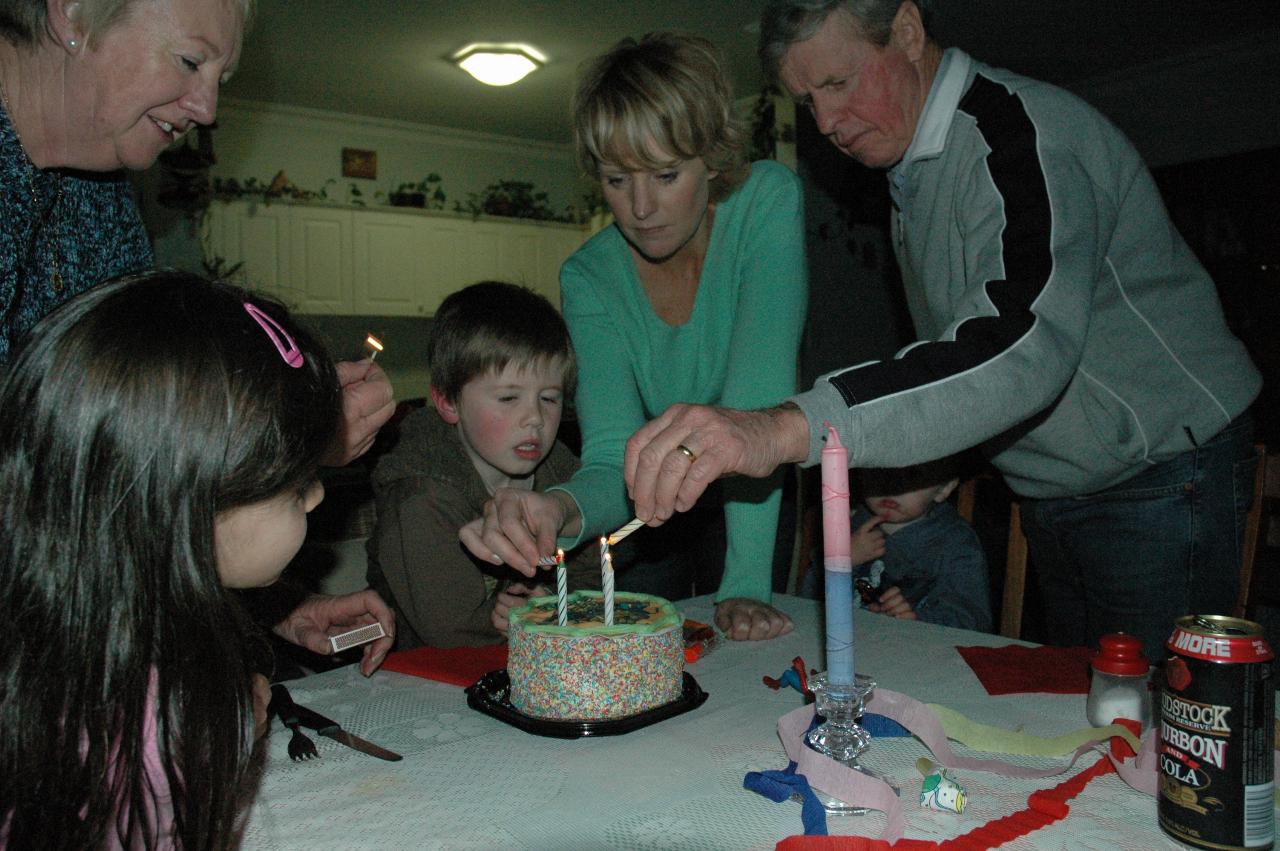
(49, 220)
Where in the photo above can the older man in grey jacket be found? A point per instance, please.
(1064, 327)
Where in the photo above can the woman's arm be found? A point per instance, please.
(772, 297)
(608, 402)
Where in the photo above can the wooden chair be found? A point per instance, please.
(1015, 576)
(1266, 490)
(1015, 567)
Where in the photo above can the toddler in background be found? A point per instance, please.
(914, 554)
(159, 442)
(502, 366)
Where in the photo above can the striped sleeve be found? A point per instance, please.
(1013, 327)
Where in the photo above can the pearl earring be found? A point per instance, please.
(72, 43)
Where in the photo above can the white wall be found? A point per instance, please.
(258, 139)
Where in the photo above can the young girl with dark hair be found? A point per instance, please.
(159, 442)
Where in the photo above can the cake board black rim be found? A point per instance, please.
(491, 695)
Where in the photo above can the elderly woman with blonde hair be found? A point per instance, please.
(695, 294)
(91, 87)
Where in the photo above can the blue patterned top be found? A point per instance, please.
(91, 232)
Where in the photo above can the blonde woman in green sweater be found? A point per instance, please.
(696, 294)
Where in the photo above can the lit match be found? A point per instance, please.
(372, 345)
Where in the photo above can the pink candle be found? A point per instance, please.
(837, 563)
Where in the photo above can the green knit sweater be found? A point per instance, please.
(737, 349)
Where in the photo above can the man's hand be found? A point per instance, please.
(672, 459)
(321, 615)
(367, 403)
(744, 619)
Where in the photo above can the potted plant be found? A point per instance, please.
(511, 198)
(424, 193)
(407, 195)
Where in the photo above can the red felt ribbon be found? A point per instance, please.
(460, 666)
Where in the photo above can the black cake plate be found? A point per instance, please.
(491, 695)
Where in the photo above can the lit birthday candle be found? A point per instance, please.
(372, 345)
(562, 590)
(606, 580)
(837, 562)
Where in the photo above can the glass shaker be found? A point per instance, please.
(1119, 685)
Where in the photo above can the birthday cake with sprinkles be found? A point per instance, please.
(588, 671)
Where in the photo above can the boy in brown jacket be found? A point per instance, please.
(502, 366)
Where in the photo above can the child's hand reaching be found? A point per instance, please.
(893, 604)
(514, 596)
(867, 543)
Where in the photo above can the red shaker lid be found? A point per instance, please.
(1120, 653)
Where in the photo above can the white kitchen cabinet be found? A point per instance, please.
(256, 236)
(388, 261)
(321, 259)
(390, 274)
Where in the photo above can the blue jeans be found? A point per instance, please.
(1134, 557)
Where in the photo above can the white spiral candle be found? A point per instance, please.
(606, 581)
(562, 590)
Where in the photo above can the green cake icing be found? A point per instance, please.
(588, 671)
(632, 613)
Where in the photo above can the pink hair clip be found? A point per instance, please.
(292, 354)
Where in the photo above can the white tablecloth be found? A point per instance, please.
(472, 782)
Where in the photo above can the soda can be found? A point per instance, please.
(1217, 733)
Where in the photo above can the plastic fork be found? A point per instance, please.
(300, 745)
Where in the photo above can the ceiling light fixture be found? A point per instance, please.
(499, 64)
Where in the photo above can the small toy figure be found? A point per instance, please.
(795, 677)
(699, 639)
(939, 791)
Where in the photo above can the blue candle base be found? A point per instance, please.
(839, 613)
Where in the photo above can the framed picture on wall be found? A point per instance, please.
(357, 162)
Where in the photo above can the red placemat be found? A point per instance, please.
(460, 666)
(1014, 669)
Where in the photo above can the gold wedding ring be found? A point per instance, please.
(688, 452)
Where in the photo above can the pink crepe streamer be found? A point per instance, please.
(837, 779)
(1140, 772)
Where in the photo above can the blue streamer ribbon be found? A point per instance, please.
(779, 786)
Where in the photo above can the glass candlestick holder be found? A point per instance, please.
(840, 736)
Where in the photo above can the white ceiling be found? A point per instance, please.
(387, 58)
